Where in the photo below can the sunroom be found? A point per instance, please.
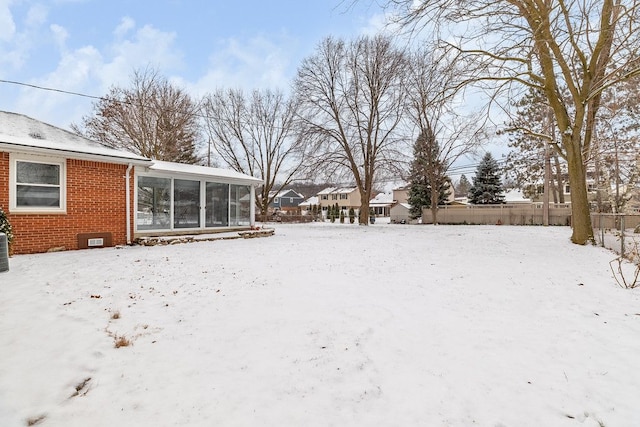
(174, 199)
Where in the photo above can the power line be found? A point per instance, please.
(50, 89)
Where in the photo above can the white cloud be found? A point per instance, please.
(7, 26)
(19, 43)
(76, 72)
(37, 15)
(249, 64)
(60, 35)
(126, 24)
(90, 71)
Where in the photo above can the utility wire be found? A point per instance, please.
(50, 89)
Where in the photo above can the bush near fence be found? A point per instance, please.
(284, 218)
(520, 214)
(619, 233)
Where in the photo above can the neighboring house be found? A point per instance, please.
(286, 200)
(381, 204)
(61, 191)
(399, 213)
(514, 196)
(307, 205)
(401, 194)
(345, 197)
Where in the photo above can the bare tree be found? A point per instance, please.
(436, 114)
(352, 103)
(152, 118)
(616, 147)
(531, 133)
(256, 136)
(584, 46)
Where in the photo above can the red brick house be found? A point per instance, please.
(61, 192)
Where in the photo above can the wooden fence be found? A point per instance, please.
(516, 214)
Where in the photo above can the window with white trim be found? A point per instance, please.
(37, 184)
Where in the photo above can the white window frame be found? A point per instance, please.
(13, 171)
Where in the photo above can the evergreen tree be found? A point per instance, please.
(463, 187)
(341, 216)
(352, 215)
(427, 176)
(487, 187)
(5, 226)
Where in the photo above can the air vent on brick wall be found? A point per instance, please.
(94, 240)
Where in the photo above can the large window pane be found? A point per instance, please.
(240, 205)
(154, 203)
(28, 195)
(186, 203)
(217, 208)
(38, 185)
(37, 173)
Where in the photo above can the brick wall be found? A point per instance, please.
(96, 199)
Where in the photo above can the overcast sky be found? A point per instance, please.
(86, 46)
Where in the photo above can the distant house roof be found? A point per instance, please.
(286, 193)
(18, 131)
(310, 201)
(515, 196)
(337, 190)
(204, 171)
(382, 199)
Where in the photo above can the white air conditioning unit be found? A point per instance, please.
(4, 252)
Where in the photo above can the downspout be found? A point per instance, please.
(252, 206)
(128, 202)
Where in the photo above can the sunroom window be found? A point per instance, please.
(154, 203)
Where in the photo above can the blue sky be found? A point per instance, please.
(87, 46)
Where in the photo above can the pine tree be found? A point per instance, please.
(487, 187)
(352, 215)
(427, 176)
(463, 187)
(341, 216)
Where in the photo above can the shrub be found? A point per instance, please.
(122, 341)
(5, 226)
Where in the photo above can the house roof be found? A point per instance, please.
(20, 132)
(382, 199)
(310, 201)
(285, 193)
(204, 171)
(337, 190)
(515, 196)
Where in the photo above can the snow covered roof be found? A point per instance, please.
(337, 190)
(515, 196)
(310, 201)
(20, 132)
(204, 171)
(285, 193)
(381, 199)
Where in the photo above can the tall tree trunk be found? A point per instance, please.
(560, 184)
(580, 215)
(435, 193)
(363, 215)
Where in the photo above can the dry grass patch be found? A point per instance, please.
(122, 341)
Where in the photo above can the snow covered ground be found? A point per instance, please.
(323, 325)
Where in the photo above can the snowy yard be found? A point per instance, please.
(323, 325)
